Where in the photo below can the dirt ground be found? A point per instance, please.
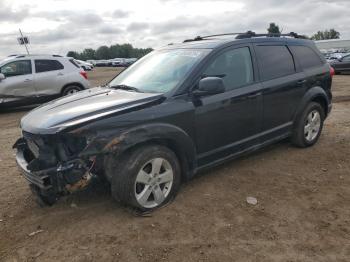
(302, 213)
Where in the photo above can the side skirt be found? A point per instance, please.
(243, 152)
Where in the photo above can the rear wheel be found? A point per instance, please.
(72, 89)
(309, 126)
(146, 178)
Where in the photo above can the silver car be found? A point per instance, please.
(31, 79)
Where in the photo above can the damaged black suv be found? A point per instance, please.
(176, 111)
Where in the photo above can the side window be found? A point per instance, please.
(234, 66)
(346, 59)
(274, 61)
(306, 56)
(17, 68)
(45, 65)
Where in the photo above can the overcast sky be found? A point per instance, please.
(57, 26)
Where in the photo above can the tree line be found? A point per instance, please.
(113, 51)
(128, 51)
(320, 35)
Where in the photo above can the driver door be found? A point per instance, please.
(229, 122)
(18, 84)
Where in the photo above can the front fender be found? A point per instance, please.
(117, 144)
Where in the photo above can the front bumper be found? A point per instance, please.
(55, 180)
(41, 178)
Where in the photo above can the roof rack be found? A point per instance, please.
(248, 34)
(25, 55)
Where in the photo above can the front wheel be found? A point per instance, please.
(72, 89)
(41, 199)
(146, 178)
(309, 126)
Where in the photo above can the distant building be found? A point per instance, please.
(335, 45)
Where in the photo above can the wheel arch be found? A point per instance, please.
(167, 135)
(315, 94)
(186, 161)
(72, 84)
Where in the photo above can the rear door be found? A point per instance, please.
(283, 83)
(48, 73)
(18, 84)
(227, 123)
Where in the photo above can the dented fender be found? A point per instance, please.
(155, 132)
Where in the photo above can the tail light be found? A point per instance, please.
(332, 71)
(83, 74)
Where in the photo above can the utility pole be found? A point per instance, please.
(24, 40)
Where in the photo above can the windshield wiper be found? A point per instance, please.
(125, 87)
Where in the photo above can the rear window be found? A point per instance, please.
(275, 61)
(75, 63)
(45, 65)
(306, 56)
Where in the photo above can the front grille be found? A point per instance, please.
(34, 142)
(42, 149)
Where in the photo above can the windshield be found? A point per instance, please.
(160, 71)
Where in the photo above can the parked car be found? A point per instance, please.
(341, 65)
(101, 63)
(175, 112)
(84, 65)
(31, 79)
(116, 63)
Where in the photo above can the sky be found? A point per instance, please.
(58, 26)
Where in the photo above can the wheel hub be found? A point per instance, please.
(312, 126)
(153, 182)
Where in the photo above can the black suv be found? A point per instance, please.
(173, 113)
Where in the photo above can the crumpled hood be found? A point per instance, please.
(81, 107)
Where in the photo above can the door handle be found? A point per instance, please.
(301, 82)
(60, 74)
(254, 95)
(27, 80)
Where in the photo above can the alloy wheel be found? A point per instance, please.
(153, 183)
(312, 126)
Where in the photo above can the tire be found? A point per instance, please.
(41, 199)
(308, 127)
(145, 178)
(71, 89)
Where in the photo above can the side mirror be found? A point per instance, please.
(2, 77)
(210, 86)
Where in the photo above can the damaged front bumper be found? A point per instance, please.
(56, 180)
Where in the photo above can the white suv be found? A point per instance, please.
(31, 79)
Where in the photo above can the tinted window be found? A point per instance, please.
(47, 65)
(274, 61)
(23, 67)
(234, 66)
(306, 56)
